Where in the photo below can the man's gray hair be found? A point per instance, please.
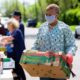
(55, 7)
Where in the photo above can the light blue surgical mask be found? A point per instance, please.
(50, 19)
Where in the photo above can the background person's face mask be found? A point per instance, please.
(50, 19)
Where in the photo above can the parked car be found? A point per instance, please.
(32, 23)
(77, 32)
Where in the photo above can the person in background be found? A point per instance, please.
(17, 16)
(55, 36)
(15, 46)
(2, 29)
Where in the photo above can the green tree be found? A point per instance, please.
(11, 5)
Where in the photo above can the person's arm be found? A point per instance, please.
(6, 40)
(69, 41)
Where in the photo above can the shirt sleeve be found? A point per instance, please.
(36, 45)
(69, 41)
(16, 35)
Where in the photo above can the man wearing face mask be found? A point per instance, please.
(55, 35)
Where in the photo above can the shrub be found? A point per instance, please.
(72, 16)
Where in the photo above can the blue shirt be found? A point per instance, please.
(18, 42)
(58, 39)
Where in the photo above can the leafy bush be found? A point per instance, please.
(72, 16)
(78, 16)
(73, 27)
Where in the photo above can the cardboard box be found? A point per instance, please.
(45, 71)
(35, 57)
(8, 63)
(44, 65)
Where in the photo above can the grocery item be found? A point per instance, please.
(8, 63)
(45, 64)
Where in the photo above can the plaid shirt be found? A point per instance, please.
(58, 39)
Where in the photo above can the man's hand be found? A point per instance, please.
(69, 58)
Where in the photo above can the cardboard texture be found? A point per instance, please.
(44, 71)
(44, 65)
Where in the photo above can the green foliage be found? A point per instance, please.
(11, 5)
(78, 16)
(70, 9)
(64, 6)
(39, 24)
(9, 8)
(37, 10)
(73, 27)
(72, 16)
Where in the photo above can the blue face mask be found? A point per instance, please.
(50, 19)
